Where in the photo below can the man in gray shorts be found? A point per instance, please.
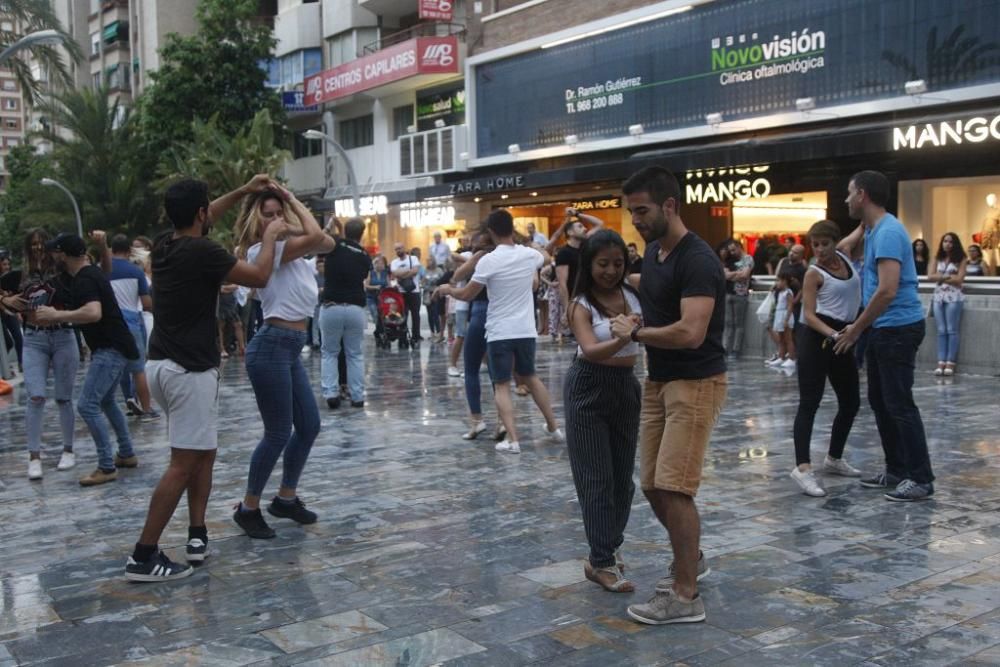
(184, 357)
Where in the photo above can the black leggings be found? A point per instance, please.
(815, 365)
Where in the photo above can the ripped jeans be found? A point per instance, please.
(55, 350)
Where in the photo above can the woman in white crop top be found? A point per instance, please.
(831, 299)
(280, 383)
(602, 398)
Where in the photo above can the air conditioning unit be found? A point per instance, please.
(434, 151)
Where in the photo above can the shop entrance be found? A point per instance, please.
(777, 217)
(548, 215)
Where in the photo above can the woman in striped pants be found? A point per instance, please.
(602, 398)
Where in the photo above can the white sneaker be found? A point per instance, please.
(66, 461)
(474, 432)
(839, 467)
(454, 372)
(556, 435)
(774, 362)
(508, 447)
(788, 363)
(35, 469)
(807, 482)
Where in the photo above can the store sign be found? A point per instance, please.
(597, 204)
(293, 101)
(741, 59)
(421, 55)
(714, 186)
(370, 205)
(436, 10)
(448, 106)
(974, 130)
(495, 184)
(427, 214)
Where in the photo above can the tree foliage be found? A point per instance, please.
(27, 203)
(29, 16)
(213, 73)
(223, 159)
(98, 160)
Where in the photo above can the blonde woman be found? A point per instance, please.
(280, 383)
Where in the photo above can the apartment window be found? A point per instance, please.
(11, 142)
(303, 147)
(95, 43)
(402, 118)
(342, 49)
(10, 104)
(118, 77)
(9, 85)
(357, 132)
(96, 79)
(6, 26)
(11, 124)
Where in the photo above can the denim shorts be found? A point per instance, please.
(504, 356)
(461, 323)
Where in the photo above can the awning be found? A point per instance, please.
(110, 33)
(396, 192)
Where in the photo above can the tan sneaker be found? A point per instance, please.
(99, 477)
(127, 462)
(665, 608)
(666, 584)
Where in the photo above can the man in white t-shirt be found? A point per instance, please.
(405, 270)
(440, 251)
(509, 274)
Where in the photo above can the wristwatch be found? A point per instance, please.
(635, 333)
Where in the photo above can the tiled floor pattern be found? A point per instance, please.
(434, 550)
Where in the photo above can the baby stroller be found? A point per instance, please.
(391, 325)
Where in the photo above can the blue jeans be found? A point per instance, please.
(137, 327)
(948, 317)
(473, 350)
(98, 395)
(343, 326)
(286, 403)
(892, 355)
(55, 349)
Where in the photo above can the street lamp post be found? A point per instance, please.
(316, 134)
(32, 39)
(76, 209)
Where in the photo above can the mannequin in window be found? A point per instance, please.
(990, 236)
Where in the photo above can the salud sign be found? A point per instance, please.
(421, 55)
(436, 10)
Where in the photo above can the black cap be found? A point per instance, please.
(71, 244)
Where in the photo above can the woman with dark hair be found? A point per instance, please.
(949, 274)
(976, 266)
(921, 255)
(46, 347)
(280, 382)
(831, 297)
(602, 398)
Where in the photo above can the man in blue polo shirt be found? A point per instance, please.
(893, 311)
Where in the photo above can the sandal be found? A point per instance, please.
(474, 432)
(621, 585)
(620, 560)
(500, 433)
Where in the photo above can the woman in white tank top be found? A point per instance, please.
(831, 299)
(602, 399)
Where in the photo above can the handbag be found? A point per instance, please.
(407, 284)
(765, 308)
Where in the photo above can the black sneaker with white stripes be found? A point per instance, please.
(157, 568)
(197, 550)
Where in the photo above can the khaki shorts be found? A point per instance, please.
(190, 401)
(674, 429)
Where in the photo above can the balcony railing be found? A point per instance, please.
(436, 151)
(419, 30)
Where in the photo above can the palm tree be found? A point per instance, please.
(97, 158)
(29, 16)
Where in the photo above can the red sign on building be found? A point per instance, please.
(436, 10)
(422, 55)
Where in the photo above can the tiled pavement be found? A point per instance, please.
(435, 550)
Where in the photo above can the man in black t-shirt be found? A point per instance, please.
(682, 290)
(342, 318)
(95, 310)
(568, 257)
(184, 356)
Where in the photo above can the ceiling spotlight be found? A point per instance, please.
(571, 139)
(514, 149)
(917, 87)
(504, 196)
(534, 194)
(635, 130)
(477, 199)
(805, 103)
(714, 119)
